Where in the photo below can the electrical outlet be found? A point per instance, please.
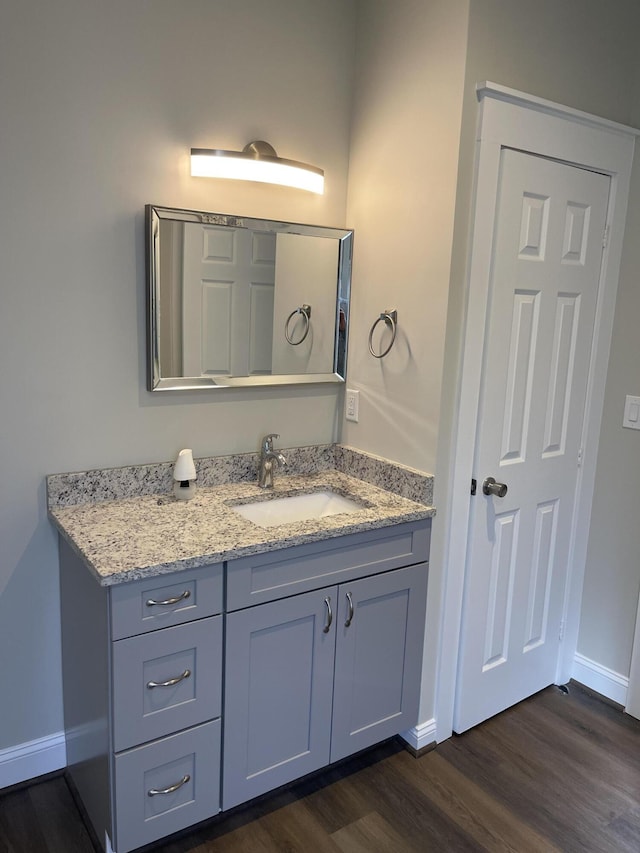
(352, 405)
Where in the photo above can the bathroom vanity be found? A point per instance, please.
(203, 668)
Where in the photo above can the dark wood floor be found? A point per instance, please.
(556, 773)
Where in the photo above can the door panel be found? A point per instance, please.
(229, 277)
(547, 256)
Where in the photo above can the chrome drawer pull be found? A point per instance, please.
(171, 682)
(327, 602)
(169, 601)
(171, 788)
(350, 613)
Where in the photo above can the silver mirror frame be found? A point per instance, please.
(157, 382)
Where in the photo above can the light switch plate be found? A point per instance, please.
(351, 405)
(631, 418)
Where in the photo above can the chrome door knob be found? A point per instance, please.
(490, 487)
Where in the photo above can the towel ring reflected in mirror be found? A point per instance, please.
(305, 310)
(390, 320)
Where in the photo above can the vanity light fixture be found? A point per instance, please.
(257, 161)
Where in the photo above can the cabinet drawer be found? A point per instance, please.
(165, 600)
(266, 577)
(166, 681)
(185, 771)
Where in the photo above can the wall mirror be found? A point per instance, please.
(237, 301)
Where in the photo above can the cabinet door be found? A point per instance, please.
(379, 639)
(278, 693)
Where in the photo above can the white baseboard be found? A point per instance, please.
(605, 681)
(34, 758)
(424, 734)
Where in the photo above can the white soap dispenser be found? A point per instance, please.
(184, 476)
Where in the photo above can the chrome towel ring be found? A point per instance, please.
(305, 310)
(391, 319)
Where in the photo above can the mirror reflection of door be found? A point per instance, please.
(228, 294)
(306, 273)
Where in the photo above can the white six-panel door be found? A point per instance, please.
(546, 263)
(228, 286)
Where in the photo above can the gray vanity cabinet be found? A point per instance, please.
(318, 676)
(322, 655)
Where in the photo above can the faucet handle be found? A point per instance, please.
(267, 441)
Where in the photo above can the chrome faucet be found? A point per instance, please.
(268, 459)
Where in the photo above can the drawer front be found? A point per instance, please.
(167, 785)
(165, 600)
(166, 681)
(266, 577)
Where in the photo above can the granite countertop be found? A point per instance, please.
(135, 537)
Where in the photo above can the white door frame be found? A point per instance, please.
(508, 118)
(632, 705)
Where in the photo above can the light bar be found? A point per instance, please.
(257, 161)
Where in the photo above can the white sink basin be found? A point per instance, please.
(274, 511)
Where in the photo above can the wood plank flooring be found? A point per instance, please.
(556, 773)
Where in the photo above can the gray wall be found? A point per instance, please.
(612, 579)
(99, 105)
(402, 176)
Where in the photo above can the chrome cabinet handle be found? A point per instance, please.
(490, 487)
(171, 682)
(327, 602)
(155, 791)
(350, 611)
(169, 601)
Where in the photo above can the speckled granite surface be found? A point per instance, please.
(404, 481)
(109, 484)
(126, 525)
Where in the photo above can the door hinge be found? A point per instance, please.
(580, 455)
(474, 486)
(561, 634)
(605, 237)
